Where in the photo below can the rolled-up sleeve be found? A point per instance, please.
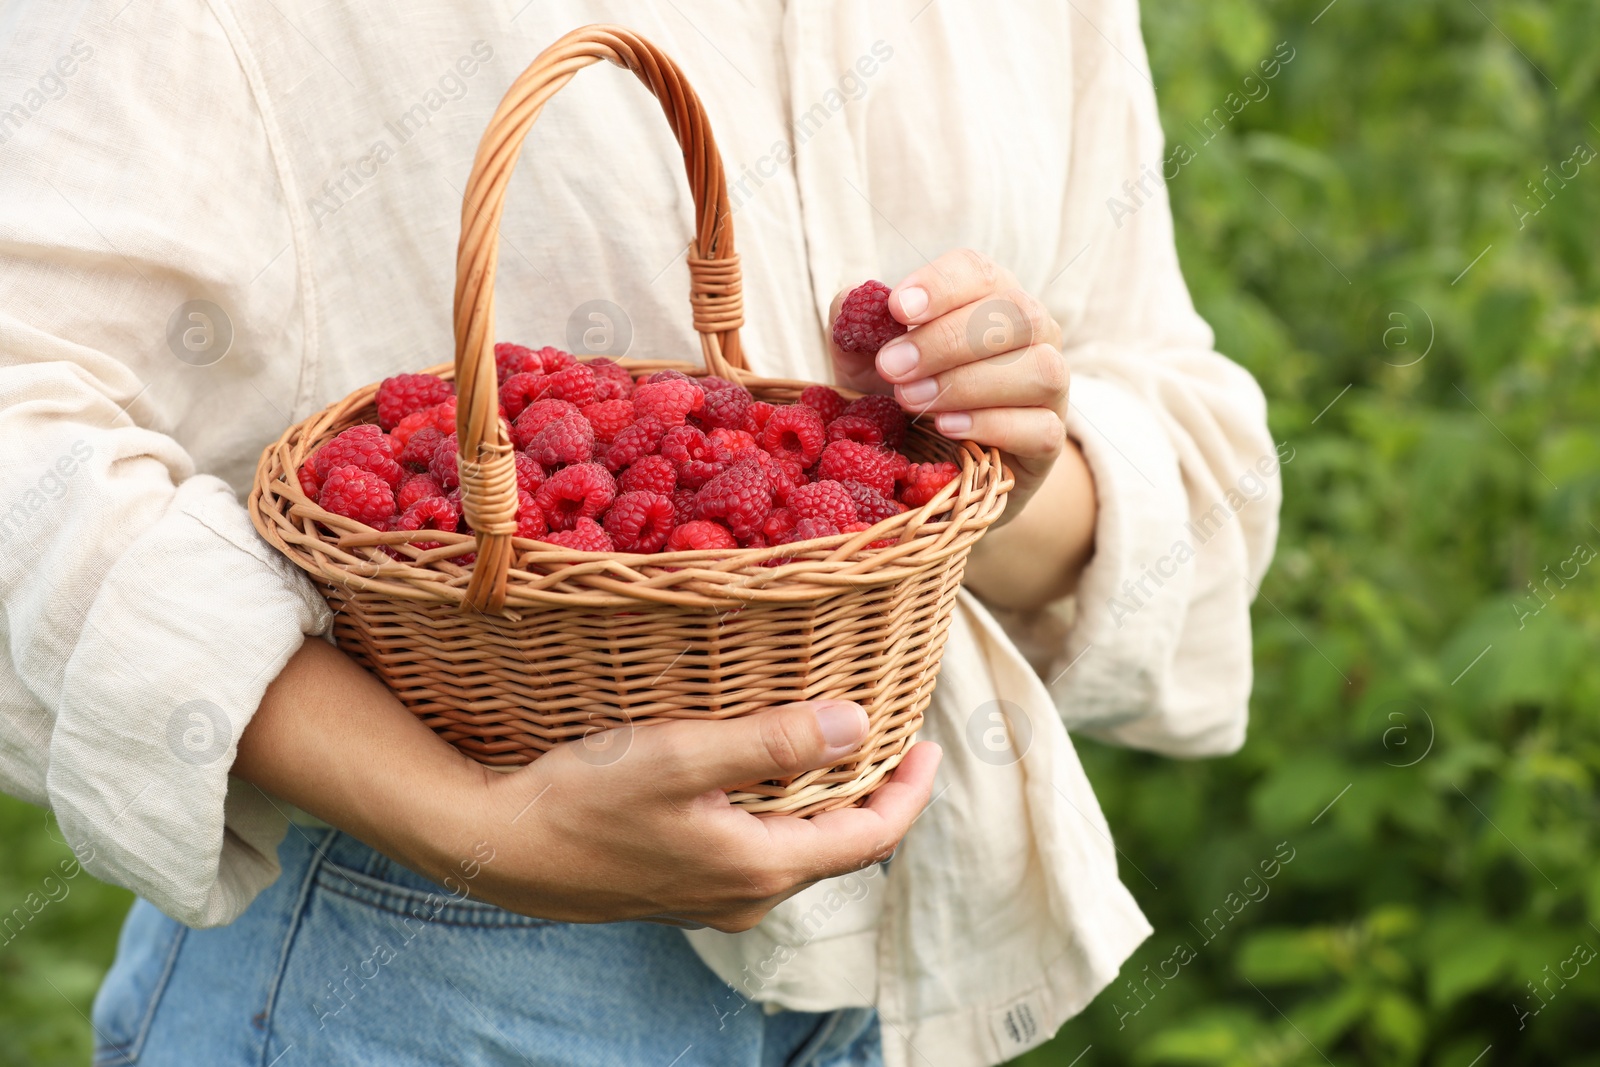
(144, 617)
(1154, 650)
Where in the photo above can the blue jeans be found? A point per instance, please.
(350, 958)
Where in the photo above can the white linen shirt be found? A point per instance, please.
(299, 165)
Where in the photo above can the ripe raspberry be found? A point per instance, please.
(885, 412)
(406, 393)
(827, 402)
(309, 482)
(683, 505)
(611, 380)
(418, 451)
(536, 416)
(806, 529)
(695, 457)
(856, 428)
(666, 376)
(443, 463)
(429, 513)
(512, 359)
(530, 476)
(864, 324)
(586, 536)
(575, 385)
(698, 536)
(359, 494)
(650, 474)
(923, 481)
(795, 428)
(778, 525)
(609, 418)
(783, 471)
(844, 461)
(569, 439)
(829, 501)
(417, 487)
(362, 446)
(670, 401)
(640, 439)
(640, 522)
(737, 442)
(872, 506)
(552, 359)
(740, 496)
(726, 405)
(581, 491)
(530, 520)
(520, 390)
(757, 416)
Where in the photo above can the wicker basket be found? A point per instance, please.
(532, 645)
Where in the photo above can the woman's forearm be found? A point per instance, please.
(1037, 556)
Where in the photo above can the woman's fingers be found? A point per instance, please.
(1035, 376)
(990, 328)
(956, 278)
(1033, 436)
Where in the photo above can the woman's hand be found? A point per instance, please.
(625, 824)
(983, 363)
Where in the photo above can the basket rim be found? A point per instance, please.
(716, 579)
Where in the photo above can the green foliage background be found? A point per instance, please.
(1325, 234)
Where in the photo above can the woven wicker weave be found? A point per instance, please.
(533, 644)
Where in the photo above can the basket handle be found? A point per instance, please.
(488, 468)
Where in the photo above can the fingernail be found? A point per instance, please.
(898, 359)
(843, 724)
(953, 422)
(921, 391)
(913, 301)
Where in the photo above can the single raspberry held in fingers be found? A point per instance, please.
(609, 418)
(924, 480)
(581, 491)
(757, 415)
(530, 476)
(569, 439)
(698, 536)
(417, 487)
(363, 446)
(358, 494)
(536, 416)
(872, 506)
(856, 428)
(530, 520)
(844, 461)
(826, 500)
(884, 411)
(640, 439)
(740, 497)
(443, 464)
(827, 402)
(512, 359)
(611, 379)
(575, 385)
(640, 522)
(405, 394)
(726, 406)
(864, 324)
(520, 390)
(650, 474)
(552, 359)
(586, 536)
(671, 401)
(795, 428)
(417, 453)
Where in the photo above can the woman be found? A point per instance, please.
(220, 216)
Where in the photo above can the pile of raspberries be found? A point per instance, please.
(604, 464)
